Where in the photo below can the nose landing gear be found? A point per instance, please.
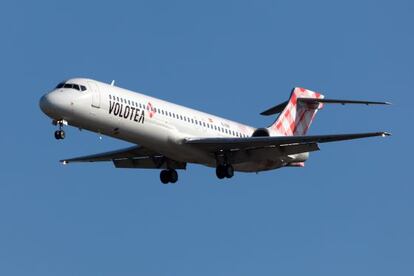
(60, 134)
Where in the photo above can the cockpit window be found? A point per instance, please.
(72, 85)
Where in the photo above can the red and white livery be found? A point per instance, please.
(169, 136)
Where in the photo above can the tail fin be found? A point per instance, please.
(297, 116)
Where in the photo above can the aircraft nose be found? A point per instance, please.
(53, 104)
(45, 104)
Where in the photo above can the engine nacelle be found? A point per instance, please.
(261, 132)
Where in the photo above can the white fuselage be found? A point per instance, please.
(140, 119)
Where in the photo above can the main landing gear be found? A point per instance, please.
(225, 170)
(59, 134)
(168, 176)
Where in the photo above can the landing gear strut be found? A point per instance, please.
(225, 170)
(59, 134)
(168, 176)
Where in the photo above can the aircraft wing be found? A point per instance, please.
(232, 144)
(132, 157)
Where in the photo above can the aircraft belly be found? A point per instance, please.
(265, 159)
(258, 166)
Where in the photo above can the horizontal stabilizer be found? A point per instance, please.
(274, 110)
(343, 102)
(280, 107)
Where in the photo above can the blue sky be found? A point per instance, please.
(348, 212)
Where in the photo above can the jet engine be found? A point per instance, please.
(261, 132)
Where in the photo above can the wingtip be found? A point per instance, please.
(384, 134)
(64, 162)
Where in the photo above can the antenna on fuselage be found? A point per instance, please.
(113, 83)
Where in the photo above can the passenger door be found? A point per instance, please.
(96, 95)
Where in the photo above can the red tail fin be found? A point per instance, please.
(297, 116)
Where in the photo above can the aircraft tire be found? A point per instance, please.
(59, 134)
(165, 177)
(62, 134)
(229, 170)
(173, 176)
(220, 171)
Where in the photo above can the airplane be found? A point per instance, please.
(167, 136)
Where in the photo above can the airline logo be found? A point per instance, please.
(151, 109)
(127, 112)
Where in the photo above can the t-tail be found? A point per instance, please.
(297, 116)
(298, 113)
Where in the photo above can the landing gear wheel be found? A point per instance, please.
(220, 171)
(164, 177)
(168, 176)
(59, 134)
(173, 176)
(229, 171)
(223, 171)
